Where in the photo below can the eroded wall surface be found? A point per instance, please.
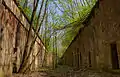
(92, 45)
(13, 33)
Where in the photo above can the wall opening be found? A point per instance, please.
(89, 59)
(72, 59)
(80, 59)
(14, 68)
(114, 56)
(15, 60)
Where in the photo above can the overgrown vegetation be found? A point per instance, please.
(56, 21)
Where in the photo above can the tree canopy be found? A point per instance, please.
(57, 21)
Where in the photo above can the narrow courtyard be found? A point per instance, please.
(59, 38)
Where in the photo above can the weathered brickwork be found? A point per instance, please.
(13, 37)
(97, 45)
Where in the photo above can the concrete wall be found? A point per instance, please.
(13, 37)
(94, 41)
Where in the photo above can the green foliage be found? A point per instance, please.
(62, 23)
(69, 11)
(27, 10)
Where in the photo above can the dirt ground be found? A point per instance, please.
(69, 72)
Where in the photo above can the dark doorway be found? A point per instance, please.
(114, 56)
(89, 59)
(72, 60)
(14, 68)
(80, 59)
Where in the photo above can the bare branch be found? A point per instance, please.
(28, 34)
(39, 15)
(33, 42)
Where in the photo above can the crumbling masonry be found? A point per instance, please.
(97, 44)
(13, 29)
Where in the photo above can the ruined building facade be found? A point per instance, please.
(13, 30)
(97, 45)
